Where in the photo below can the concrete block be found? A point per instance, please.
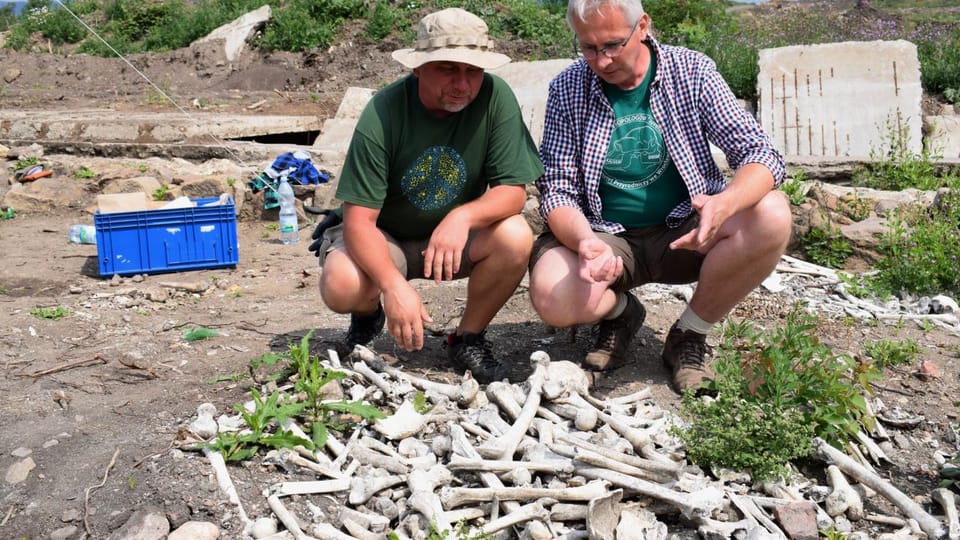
(530, 82)
(841, 99)
(336, 134)
(353, 102)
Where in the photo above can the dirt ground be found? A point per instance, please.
(137, 381)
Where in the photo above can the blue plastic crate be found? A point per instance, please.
(173, 240)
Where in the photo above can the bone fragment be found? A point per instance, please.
(464, 393)
(603, 515)
(711, 528)
(564, 377)
(584, 418)
(945, 498)
(873, 449)
(373, 458)
(929, 524)
(537, 530)
(204, 426)
(358, 531)
(459, 463)
(504, 447)
(289, 520)
(568, 512)
(843, 499)
(691, 505)
(406, 421)
(362, 488)
(282, 489)
(326, 531)
(502, 395)
(638, 438)
(362, 368)
(523, 514)
(285, 457)
(630, 399)
(454, 497)
(367, 520)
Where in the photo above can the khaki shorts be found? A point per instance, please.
(407, 255)
(646, 253)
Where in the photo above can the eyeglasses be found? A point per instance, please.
(610, 51)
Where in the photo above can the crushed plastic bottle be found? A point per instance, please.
(289, 230)
(83, 234)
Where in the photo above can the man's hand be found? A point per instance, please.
(598, 262)
(332, 219)
(713, 213)
(406, 315)
(442, 258)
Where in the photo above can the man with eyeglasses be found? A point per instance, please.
(632, 195)
(433, 186)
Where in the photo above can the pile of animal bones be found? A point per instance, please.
(542, 459)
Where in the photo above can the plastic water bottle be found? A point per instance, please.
(83, 234)
(289, 233)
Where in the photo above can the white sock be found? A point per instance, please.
(618, 307)
(691, 321)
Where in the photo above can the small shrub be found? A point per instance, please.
(383, 20)
(84, 173)
(774, 392)
(795, 188)
(161, 193)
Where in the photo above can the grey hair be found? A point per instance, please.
(580, 9)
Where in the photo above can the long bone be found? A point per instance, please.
(454, 497)
(310, 487)
(420, 462)
(592, 458)
(912, 510)
(692, 505)
(373, 522)
(751, 510)
(388, 389)
(459, 463)
(285, 457)
(464, 393)
(226, 483)
(326, 531)
(504, 395)
(461, 446)
(843, 499)
(711, 528)
(358, 531)
(528, 512)
(423, 499)
(584, 418)
(362, 488)
(504, 447)
(945, 498)
(637, 437)
(664, 465)
(289, 520)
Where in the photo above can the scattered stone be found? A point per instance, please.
(64, 533)
(70, 515)
(21, 452)
(148, 523)
(798, 520)
(195, 530)
(20, 471)
(11, 75)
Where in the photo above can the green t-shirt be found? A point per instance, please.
(416, 167)
(639, 184)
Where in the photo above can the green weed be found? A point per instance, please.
(161, 193)
(24, 163)
(795, 188)
(84, 173)
(50, 313)
(886, 353)
(826, 247)
(894, 167)
(8, 213)
(316, 415)
(199, 333)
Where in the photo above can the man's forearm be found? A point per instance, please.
(368, 249)
(569, 226)
(496, 204)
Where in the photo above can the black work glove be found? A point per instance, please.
(332, 219)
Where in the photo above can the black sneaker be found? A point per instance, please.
(363, 328)
(472, 351)
(615, 335)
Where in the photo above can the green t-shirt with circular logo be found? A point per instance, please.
(416, 167)
(639, 184)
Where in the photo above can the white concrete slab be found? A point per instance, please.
(841, 100)
(530, 82)
(944, 138)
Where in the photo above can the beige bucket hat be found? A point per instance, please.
(452, 35)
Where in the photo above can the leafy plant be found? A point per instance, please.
(774, 392)
(84, 173)
(50, 313)
(160, 194)
(854, 207)
(894, 167)
(887, 353)
(8, 213)
(855, 284)
(25, 163)
(317, 415)
(795, 188)
(921, 250)
(826, 247)
(199, 333)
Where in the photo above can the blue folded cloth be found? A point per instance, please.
(299, 170)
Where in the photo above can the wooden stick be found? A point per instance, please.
(68, 365)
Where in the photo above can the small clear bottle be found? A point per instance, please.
(289, 230)
(83, 234)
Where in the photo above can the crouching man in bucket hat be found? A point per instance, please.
(432, 187)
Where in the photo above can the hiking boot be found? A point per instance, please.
(363, 328)
(472, 351)
(684, 352)
(615, 335)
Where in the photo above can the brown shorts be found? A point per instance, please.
(407, 255)
(646, 253)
